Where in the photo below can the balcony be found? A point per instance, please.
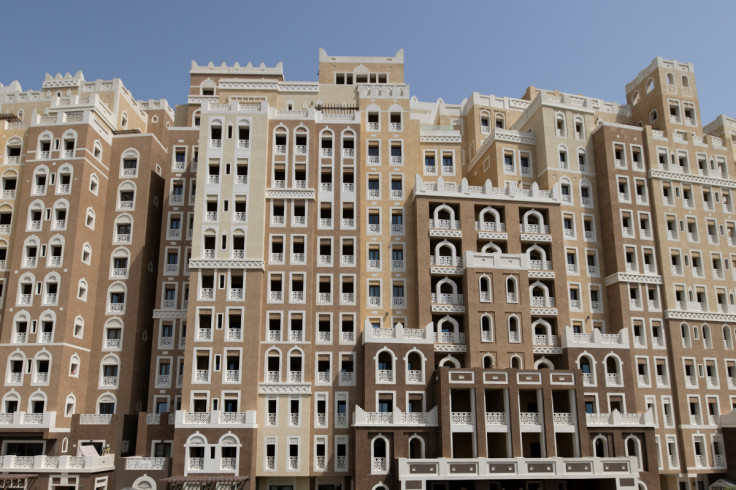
(110, 381)
(234, 334)
(236, 294)
(113, 344)
(614, 379)
(445, 261)
(395, 418)
(54, 464)
(207, 293)
(542, 302)
(529, 418)
(204, 334)
(450, 338)
(534, 229)
(447, 299)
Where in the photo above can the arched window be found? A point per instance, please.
(110, 371)
(414, 367)
(488, 361)
(243, 133)
(516, 362)
(280, 139)
(13, 150)
(445, 254)
(379, 455)
(113, 339)
(11, 402)
(613, 371)
(94, 184)
(444, 217)
(25, 290)
(543, 333)
(579, 128)
(685, 81)
(512, 292)
(416, 447)
(70, 406)
(44, 145)
(296, 365)
(586, 194)
(670, 79)
(600, 446)
(587, 366)
(533, 222)
(16, 368)
(273, 365)
(124, 120)
(74, 365)
(116, 298)
(126, 196)
(446, 291)
(196, 118)
(123, 229)
(543, 363)
(78, 327)
(685, 333)
(484, 286)
(560, 126)
(513, 327)
(41, 368)
(727, 338)
(51, 289)
(449, 361)
(539, 293)
(633, 448)
(129, 163)
(500, 121)
(650, 85)
(106, 404)
(490, 220)
(37, 402)
(707, 339)
(653, 115)
(486, 328)
(564, 160)
(491, 248)
(82, 290)
(229, 444)
(385, 366)
(538, 258)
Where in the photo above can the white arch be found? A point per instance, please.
(446, 280)
(144, 483)
(11, 396)
(637, 448)
(229, 439)
(486, 327)
(392, 357)
(533, 213)
(416, 437)
(106, 397)
(449, 360)
(486, 288)
(386, 455)
(494, 249)
(495, 217)
(517, 361)
(451, 321)
(444, 207)
(445, 244)
(543, 361)
(604, 440)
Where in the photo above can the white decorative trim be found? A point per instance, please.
(290, 194)
(448, 308)
(285, 388)
(543, 349)
(435, 269)
(637, 278)
(693, 179)
(699, 316)
(446, 233)
(493, 235)
(535, 237)
(227, 264)
(541, 274)
(169, 314)
(440, 139)
(544, 311)
(450, 348)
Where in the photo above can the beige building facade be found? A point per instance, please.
(331, 285)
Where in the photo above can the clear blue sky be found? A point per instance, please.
(451, 48)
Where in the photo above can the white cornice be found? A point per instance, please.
(629, 277)
(692, 179)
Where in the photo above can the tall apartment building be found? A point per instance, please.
(332, 285)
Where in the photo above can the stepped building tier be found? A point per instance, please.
(332, 285)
